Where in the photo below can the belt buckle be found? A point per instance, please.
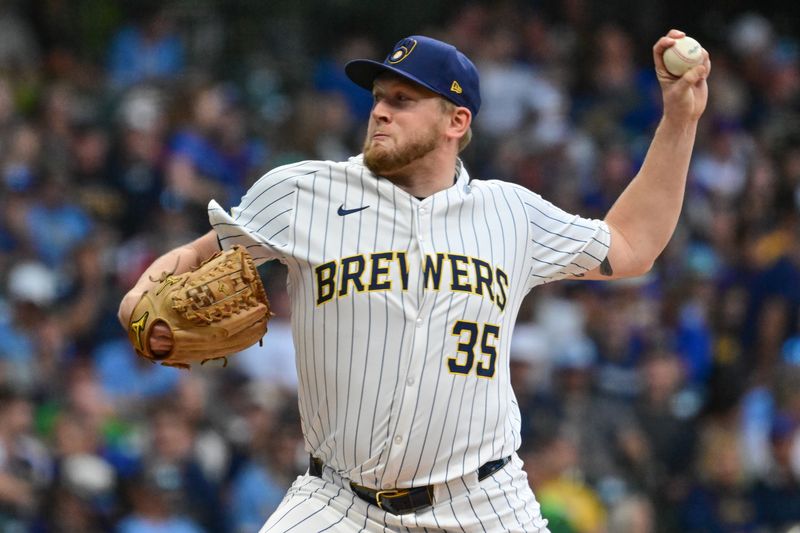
(389, 494)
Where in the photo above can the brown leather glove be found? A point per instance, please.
(213, 311)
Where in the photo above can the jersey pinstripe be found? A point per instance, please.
(403, 309)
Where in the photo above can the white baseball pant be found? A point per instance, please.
(501, 502)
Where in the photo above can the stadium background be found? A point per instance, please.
(667, 403)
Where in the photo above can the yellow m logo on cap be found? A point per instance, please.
(456, 88)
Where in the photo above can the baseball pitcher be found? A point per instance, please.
(406, 275)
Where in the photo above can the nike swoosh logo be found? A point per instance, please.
(342, 211)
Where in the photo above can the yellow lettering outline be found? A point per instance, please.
(335, 264)
(456, 274)
(377, 271)
(479, 360)
(345, 273)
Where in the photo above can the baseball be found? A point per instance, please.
(682, 56)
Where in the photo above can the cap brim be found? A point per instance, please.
(363, 72)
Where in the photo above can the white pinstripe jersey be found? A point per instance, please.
(403, 309)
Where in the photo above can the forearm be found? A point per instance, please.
(176, 261)
(646, 213)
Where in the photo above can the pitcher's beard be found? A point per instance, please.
(382, 161)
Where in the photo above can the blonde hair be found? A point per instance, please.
(448, 106)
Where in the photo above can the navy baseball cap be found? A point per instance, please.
(433, 64)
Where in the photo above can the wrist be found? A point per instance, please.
(679, 123)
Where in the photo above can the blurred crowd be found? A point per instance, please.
(661, 404)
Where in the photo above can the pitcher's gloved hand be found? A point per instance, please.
(210, 312)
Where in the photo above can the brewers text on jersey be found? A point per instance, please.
(378, 270)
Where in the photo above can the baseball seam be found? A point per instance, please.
(683, 57)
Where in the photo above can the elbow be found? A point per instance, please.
(632, 253)
(646, 267)
(642, 267)
(632, 266)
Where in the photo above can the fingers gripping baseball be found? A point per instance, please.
(684, 96)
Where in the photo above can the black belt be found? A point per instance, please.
(403, 501)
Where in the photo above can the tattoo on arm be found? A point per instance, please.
(605, 268)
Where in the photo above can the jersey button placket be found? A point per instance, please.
(423, 223)
(405, 414)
